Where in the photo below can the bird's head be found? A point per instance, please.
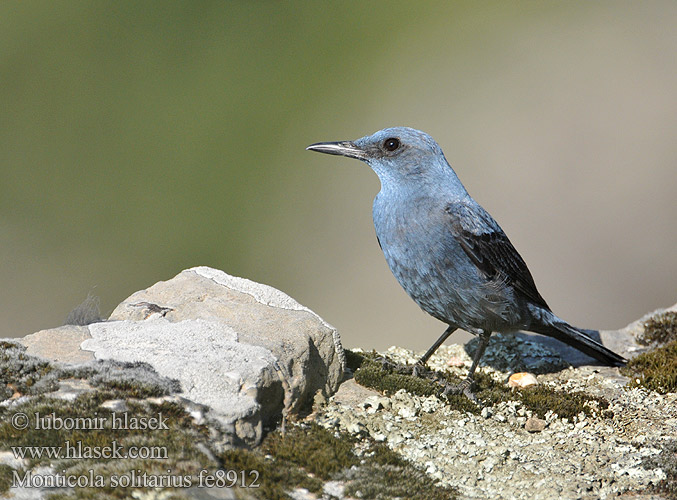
(397, 155)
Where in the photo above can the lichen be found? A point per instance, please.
(32, 375)
(179, 438)
(178, 442)
(305, 456)
(666, 460)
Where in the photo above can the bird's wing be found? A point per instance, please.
(485, 243)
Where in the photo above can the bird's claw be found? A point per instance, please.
(465, 388)
(418, 370)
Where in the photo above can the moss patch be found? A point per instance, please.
(314, 448)
(387, 377)
(660, 329)
(73, 449)
(6, 474)
(174, 448)
(26, 374)
(655, 370)
(306, 456)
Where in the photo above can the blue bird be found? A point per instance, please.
(447, 252)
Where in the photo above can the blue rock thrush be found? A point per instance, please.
(447, 252)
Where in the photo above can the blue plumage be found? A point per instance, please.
(446, 251)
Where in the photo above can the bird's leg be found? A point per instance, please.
(465, 386)
(420, 364)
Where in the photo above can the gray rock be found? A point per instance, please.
(506, 452)
(307, 348)
(245, 350)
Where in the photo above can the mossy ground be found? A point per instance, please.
(306, 456)
(178, 443)
(23, 373)
(371, 371)
(655, 370)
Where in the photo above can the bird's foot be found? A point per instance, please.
(465, 388)
(418, 370)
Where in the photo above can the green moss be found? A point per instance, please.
(667, 461)
(387, 377)
(384, 482)
(373, 374)
(302, 457)
(6, 475)
(380, 454)
(175, 448)
(276, 476)
(383, 474)
(306, 456)
(660, 329)
(655, 370)
(540, 399)
(314, 448)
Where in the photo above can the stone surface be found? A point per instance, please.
(522, 379)
(238, 381)
(59, 344)
(534, 424)
(307, 349)
(202, 329)
(248, 351)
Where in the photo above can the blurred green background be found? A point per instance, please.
(138, 139)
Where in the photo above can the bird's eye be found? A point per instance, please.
(391, 144)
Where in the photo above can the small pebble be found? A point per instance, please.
(455, 361)
(522, 379)
(534, 424)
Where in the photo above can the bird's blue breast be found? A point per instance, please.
(432, 267)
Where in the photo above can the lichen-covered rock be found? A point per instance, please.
(581, 433)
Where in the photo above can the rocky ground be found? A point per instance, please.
(492, 454)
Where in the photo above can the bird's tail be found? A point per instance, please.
(575, 337)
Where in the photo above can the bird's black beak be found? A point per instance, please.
(341, 148)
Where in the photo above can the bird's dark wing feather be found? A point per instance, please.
(485, 243)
